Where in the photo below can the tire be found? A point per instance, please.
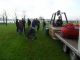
(73, 56)
(65, 49)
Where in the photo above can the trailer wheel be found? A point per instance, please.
(65, 48)
(73, 56)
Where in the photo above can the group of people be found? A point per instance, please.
(33, 26)
(33, 29)
(20, 25)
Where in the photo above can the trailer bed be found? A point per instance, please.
(72, 44)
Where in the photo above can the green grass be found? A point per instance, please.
(15, 46)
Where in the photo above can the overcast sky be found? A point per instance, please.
(36, 8)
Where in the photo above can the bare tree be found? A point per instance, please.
(6, 18)
(3, 19)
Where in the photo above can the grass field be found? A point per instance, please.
(15, 46)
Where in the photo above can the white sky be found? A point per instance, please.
(36, 8)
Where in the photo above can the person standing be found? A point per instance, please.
(44, 24)
(29, 22)
(21, 27)
(34, 24)
(23, 20)
(17, 25)
(38, 24)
